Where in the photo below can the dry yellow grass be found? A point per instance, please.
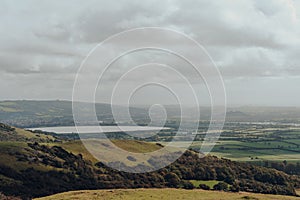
(161, 194)
(136, 146)
(76, 147)
(30, 135)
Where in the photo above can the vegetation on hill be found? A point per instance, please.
(162, 194)
(34, 165)
(8, 133)
(4, 197)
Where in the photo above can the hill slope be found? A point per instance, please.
(162, 194)
(54, 113)
(34, 165)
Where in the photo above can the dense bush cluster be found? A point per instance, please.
(289, 168)
(72, 172)
(240, 176)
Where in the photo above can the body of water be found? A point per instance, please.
(96, 129)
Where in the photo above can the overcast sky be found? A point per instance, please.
(255, 44)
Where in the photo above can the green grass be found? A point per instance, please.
(210, 184)
(161, 194)
(245, 150)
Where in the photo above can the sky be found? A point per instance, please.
(255, 45)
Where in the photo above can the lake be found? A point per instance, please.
(95, 129)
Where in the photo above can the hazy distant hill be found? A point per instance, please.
(29, 113)
(51, 113)
(252, 113)
(59, 113)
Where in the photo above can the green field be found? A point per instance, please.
(161, 194)
(257, 144)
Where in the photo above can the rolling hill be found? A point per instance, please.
(37, 164)
(27, 114)
(162, 194)
(54, 113)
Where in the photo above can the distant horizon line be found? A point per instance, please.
(142, 105)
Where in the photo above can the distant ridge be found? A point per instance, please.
(30, 113)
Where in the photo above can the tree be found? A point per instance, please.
(221, 186)
(234, 187)
(284, 162)
(172, 179)
(188, 185)
(204, 187)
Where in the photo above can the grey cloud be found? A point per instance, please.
(247, 39)
(253, 62)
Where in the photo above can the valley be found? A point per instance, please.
(249, 157)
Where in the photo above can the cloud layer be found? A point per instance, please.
(252, 42)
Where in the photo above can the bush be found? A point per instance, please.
(234, 188)
(172, 179)
(221, 186)
(204, 187)
(188, 185)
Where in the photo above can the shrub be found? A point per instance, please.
(221, 186)
(188, 185)
(204, 187)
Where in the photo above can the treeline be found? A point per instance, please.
(71, 172)
(287, 167)
(240, 176)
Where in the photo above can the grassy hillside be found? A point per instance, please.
(162, 194)
(76, 147)
(8, 133)
(35, 165)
